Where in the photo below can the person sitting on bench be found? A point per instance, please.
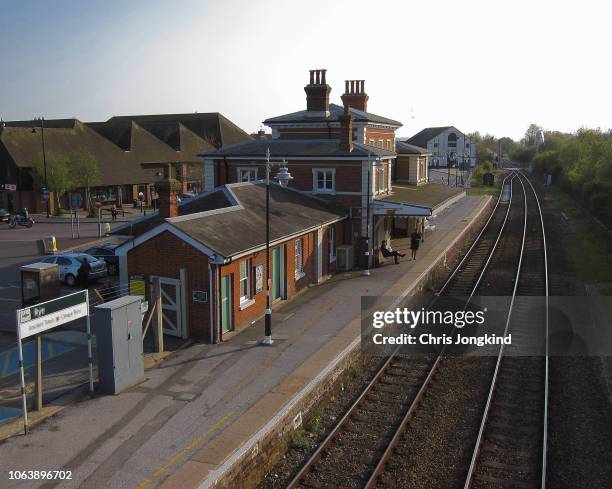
(387, 252)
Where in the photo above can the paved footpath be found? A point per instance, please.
(204, 402)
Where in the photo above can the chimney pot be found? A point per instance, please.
(317, 92)
(355, 95)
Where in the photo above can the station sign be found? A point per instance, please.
(47, 315)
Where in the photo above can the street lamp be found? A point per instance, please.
(376, 163)
(42, 136)
(283, 176)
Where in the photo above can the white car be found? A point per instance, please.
(69, 264)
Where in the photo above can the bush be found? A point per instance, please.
(299, 439)
(313, 423)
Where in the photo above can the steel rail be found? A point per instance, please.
(315, 457)
(378, 470)
(487, 409)
(546, 371)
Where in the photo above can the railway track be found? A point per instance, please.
(511, 446)
(354, 453)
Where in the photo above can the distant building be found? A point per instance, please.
(447, 145)
(121, 145)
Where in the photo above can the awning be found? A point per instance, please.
(393, 209)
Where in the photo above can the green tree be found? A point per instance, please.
(530, 135)
(86, 173)
(59, 178)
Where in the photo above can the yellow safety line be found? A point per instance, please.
(183, 452)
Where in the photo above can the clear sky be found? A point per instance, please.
(487, 65)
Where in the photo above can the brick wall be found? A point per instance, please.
(164, 256)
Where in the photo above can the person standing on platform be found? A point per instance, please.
(415, 241)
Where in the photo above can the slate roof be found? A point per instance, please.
(402, 147)
(431, 195)
(121, 144)
(421, 138)
(334, 116)
(291, 212)
(212, 127)
(288, 148)
(217, 199)
(73, 139)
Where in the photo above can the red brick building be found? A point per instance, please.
(210, 255)
(341, 153)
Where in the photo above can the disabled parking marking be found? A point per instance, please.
(9, 359)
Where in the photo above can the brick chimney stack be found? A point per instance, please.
(346, 131)
(167, 190)
(317, 92)
(354, 95)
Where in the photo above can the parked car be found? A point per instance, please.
(69, 264)
(106, 252)
(4, 215)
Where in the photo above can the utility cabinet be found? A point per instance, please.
(119, 343)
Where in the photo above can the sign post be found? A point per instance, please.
(36, 319)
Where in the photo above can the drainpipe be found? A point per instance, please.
(211, 300)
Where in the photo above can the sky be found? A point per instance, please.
(489, 65)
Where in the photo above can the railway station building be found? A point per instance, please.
(209, 253)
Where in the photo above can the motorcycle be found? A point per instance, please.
(21, 220)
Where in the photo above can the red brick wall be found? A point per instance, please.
(164, 256)
(379, 133)
(348, 173)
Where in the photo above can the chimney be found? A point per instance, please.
(261, 134)
(346, 131)
(354, 95)
(317, 92)
(167, 194)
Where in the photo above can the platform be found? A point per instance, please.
(208, 405)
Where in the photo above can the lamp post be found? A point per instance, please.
(42, 136)
(376, 163)
(283, 176)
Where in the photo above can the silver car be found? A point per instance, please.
(69, 264)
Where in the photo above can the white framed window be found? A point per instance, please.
(371, 142)
(324, 180)
(245, 281)
(380, 180)
(246, 174)
(331, 243)
(299, 258)
(381, 143)
(389, 144)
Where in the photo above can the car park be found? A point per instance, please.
(106, 252)
(69, 264)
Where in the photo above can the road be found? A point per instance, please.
(18, 247)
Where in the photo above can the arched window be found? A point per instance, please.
(452, 140)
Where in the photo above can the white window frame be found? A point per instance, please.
(245, 299)
(388, 144)
(315, 181)
(250, 169)
(380, 180)
(299, 258)
(381, 143)
(372, 142)
(331, 243)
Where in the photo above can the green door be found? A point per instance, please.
(276, 274)
(226, 304)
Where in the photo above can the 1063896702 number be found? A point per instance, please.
(40, 474)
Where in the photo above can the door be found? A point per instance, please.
(226, 304)
(171, 306)
(276, 274)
